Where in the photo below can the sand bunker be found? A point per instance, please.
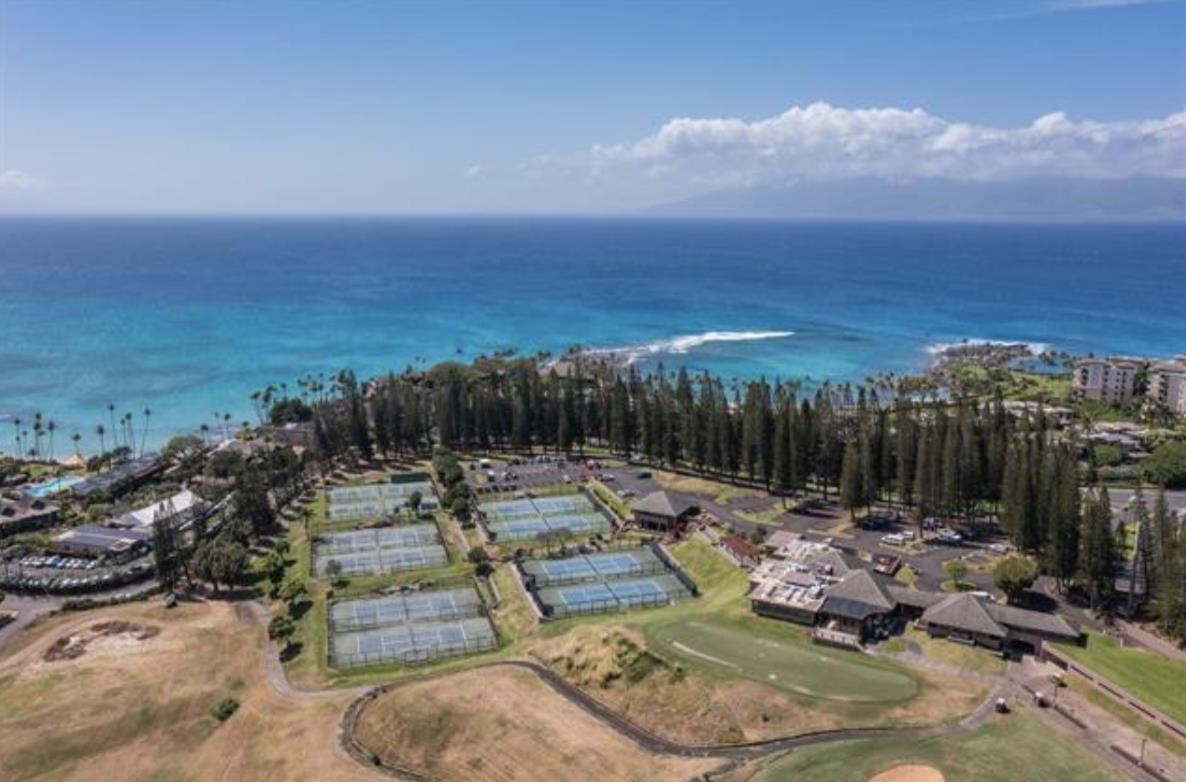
(71, 647)
(909, 774)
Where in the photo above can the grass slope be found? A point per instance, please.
(1015, 747)
(1157, 680)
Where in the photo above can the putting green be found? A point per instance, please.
(798, 666)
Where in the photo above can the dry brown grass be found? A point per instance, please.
(505, 724)
(687, 707)
(137, 709)
(717, 491)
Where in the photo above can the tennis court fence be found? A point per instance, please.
(418, 655)
(610, 605)
(355, 623)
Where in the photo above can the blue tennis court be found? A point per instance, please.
(405, 607)
(594, 567)
(611, 595)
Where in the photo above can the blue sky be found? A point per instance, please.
(523, 107)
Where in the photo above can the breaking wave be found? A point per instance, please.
(630, 354)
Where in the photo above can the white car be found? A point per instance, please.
(893, 539)
(999, 548)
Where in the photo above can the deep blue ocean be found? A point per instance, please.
(188, 316)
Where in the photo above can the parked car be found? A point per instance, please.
(893, 539)
(999, 548)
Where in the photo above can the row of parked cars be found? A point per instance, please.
(14, 580)
(65, 563)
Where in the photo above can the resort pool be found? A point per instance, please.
(46, 488)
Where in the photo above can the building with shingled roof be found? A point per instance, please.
(663, 512)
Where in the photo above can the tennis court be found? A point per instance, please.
(529, 517)
(438, 605)
(593, 567)
(379, 538)
(415, 642)
(534, 507)
(612, 595)
(377, 499)
(381, 561)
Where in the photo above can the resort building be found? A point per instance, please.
(848, 603)
(1111, 380)
(663, 512)
(24, 514)
(972, 619)
(184, 507)
(93, 540)
(1167, 385)
(120, 479)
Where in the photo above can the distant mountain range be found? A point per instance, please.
(940, 199)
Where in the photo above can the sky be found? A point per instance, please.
(571, 107)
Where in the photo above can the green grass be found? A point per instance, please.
(778, 655)
(615, 503)
(1014, 747)
(1158, 681)
(1124, 714)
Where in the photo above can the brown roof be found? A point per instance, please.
(740, 546)
(661, 503)
(963, 612)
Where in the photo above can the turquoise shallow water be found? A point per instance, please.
(187, 317)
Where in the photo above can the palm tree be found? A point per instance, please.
(205, 430)
(50, 427)
(226, 429)
(144, 437)
(101, 431)
(16, 427)
(111, 412)
(77, 438)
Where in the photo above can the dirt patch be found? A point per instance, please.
(114, 633)
(909, 774)
(506, 724)
(140, 710)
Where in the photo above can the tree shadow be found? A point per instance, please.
(291, 651)
(299, 609)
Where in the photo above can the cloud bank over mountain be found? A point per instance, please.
(822, 149)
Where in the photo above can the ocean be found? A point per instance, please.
(188, 316)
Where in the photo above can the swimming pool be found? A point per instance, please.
(46, 488)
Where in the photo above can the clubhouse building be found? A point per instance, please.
(848, 603)
(662, 511)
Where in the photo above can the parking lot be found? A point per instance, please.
(68, 575)
(520, 474)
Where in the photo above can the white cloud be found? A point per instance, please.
(473, 171)
(12, 180)
(825, 142)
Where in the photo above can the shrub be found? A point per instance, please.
(223, 710)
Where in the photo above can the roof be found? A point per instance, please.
(94, 536)
(782, 537)
(661, 503)
(1035, 621)
(146, 517)
(858, 596)
(913, 597)
(963, 612)
(740, 546)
